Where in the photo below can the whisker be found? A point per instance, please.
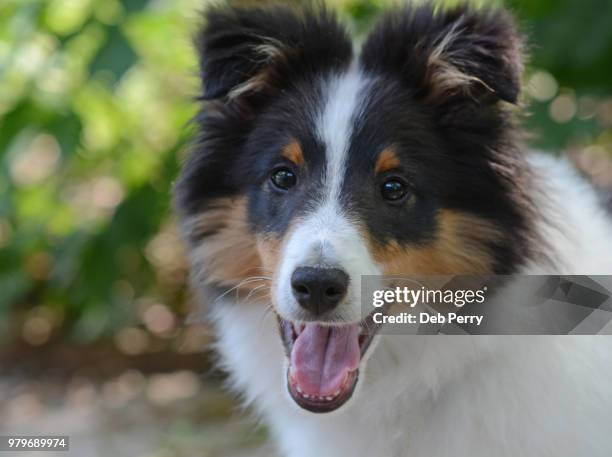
(254, 290)
(264, 316)
(242, 283)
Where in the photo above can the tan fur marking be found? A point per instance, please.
(271, 52)
(293, 152)
(256, 84)
(446, 78)
(229, 256)
(269, 249)
(459, 248)
(387, 160)
(443, 75)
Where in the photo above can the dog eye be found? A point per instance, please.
(283, 178)
(394, 190)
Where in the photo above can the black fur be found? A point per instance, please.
(313, 45)
(457, 145)
(484, 45)
(308, 42)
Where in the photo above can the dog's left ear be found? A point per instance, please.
(476, 55)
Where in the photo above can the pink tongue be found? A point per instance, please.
(322, 357)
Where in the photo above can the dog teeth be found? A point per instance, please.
(314, 397)
(317, 397)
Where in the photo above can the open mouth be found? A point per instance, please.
(324, 361)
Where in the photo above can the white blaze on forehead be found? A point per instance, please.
(344, 97)
(329, 237)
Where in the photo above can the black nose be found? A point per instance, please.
(319, 289)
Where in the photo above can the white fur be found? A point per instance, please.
(335, 125)
(579, 228)
(327, 237)
(429, 396)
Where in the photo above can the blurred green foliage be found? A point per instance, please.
(95, 102)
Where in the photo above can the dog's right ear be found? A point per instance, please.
(251, 52)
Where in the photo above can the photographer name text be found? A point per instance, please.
(427, 318)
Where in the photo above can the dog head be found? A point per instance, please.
(316, 164)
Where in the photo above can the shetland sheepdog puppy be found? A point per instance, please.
(318, 162)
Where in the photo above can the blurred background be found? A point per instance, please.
(95, 102)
